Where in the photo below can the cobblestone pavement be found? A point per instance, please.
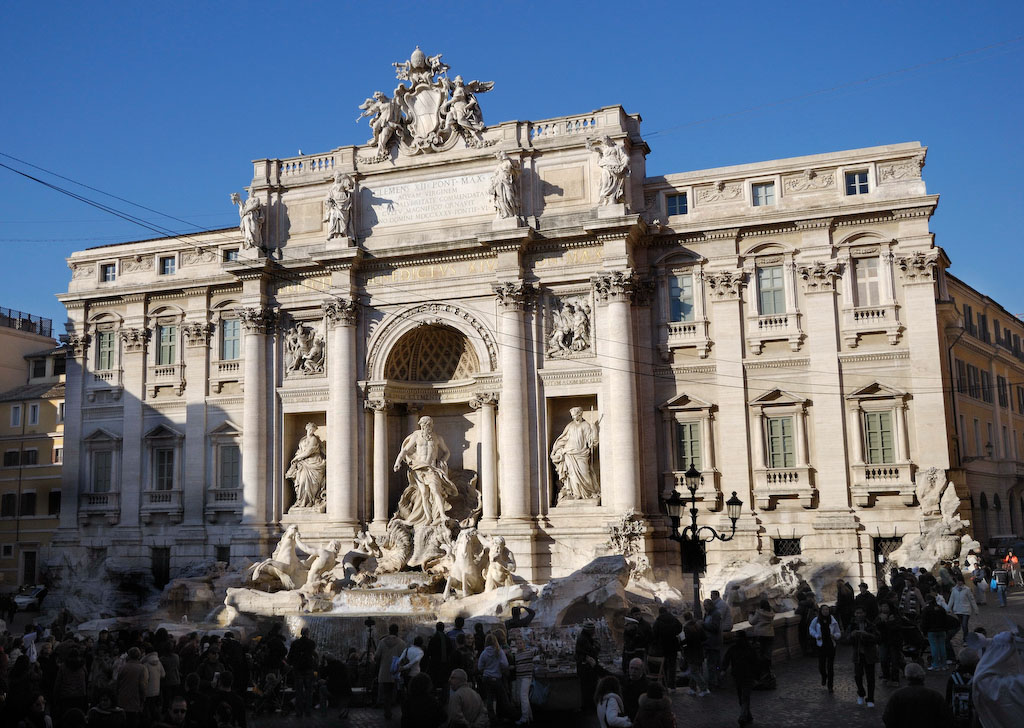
(799, 700)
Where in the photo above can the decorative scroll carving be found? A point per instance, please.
(570, 328)
(137, 264)
(483, 398)
(515, 295)
(305, 349)
(341, 311)
(79, 344)
(820, 276)
(918, 267)
(197, 257)
(197, 333)
(257, 319)
(726, 284)
(901, 169)
(134, 340)
(810, 181)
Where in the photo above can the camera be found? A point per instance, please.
(368, 622)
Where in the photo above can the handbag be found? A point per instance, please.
(994, 585)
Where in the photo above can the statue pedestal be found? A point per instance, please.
(340, 242)
(617, 209)
(507, 223)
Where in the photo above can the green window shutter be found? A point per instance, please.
(688, 445)
(781, 450)
(879, 437)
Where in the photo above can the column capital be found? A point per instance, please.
(622, 285)
(257, 319)
(819, 277)
(134, 339)
(481, 399)
(341, 311)
(377, 405)
(514, 295)
(918, 267)
(726, 285)
(197, 334)
(79, 344)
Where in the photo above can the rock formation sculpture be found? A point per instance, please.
(573, 457)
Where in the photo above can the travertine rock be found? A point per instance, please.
(596, 590)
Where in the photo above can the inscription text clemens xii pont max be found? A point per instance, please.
(427, 200)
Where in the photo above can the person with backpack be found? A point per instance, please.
(958, 689)
(933, 624)
(742, 658)
(890, 626)
(911, 600)
(961, 603)
(1000, 583)
(438, 657)
(665, 642)
(826, 632)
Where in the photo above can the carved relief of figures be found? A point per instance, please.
(573, 457)
(338, 207)
(570, 329)
(308, 472)
(614, 166)
(304, 350)
(504, 187)
(425, 500)
(251, 218)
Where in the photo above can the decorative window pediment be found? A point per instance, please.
(876, 390)
(163, 432)
(777, 397)
(226, 429)
(686, 403)
(100, 436)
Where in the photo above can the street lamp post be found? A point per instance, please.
(693, 537)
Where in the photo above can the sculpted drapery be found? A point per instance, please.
(308, 471)
(426, 455)
(573, 456)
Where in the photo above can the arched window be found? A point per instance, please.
(996, 503)
(432, 353)
(984, 502)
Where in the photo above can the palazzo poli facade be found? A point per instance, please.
(780, 325)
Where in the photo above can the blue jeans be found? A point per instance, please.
(937, 643)
(965, 619)
(1001, 592)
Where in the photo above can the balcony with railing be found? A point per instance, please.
(224, 371)
(227, 501)
(162, 502)
(106, 506)
(687, 334)
(771, 484)
(774, 327)
(881, 319)
(165, 375)
(871, 480)
(22, 321)
(709, 494)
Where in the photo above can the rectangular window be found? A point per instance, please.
(53, 503)
(688, 445)
(988, 443)
(60, 365)
(30, 457)
(781, 448)
(230, 339)
(969, 320)
(230, 255)
(977, 437)
(1006, 443)
(12, 458)
(58, 455)
(38, 368)
(1004, 395)
(1020, 400)
(961, 376)
(8, 551)
(786, 546)
(222, 554)
(33, 414)
(28, 504)
(167, 265)
(8, 505)
(167, 345)
(230, 467)
(986, 386)
(865, 273)
(105, 350)
(763, 194)
(963, 437)
(161, 566)
(973, 381)
(681, 295)
(879, 438)
(983, 332)
(770, 290)
(15, 415)
(676, 204)
(1016, 344)
(163, 469)
(997, 330)
(108, 272)
(102, 471)
(60, 413)
(857, 183)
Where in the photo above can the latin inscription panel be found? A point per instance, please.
(424, 201)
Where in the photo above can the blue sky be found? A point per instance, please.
(166, 104)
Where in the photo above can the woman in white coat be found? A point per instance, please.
(610, 710)
(826, 632)
(962, 604)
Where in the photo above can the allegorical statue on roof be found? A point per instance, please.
(338, 207)
(614, 166)
(250, 215)
(428, 113)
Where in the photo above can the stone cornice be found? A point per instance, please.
(875, 356)
(776, 363)
(555, 377)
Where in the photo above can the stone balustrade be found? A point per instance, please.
(775, 483)
(871, 480)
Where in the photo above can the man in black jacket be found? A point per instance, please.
(665, 642)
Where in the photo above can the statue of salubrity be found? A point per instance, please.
(573, 457)
(308, 472)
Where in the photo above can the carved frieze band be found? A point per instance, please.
(483, 398)
(820, 277)
(341, 312)
(257, 319)
(134, 340)
(197, 333)
(726, 285)
(515, 295)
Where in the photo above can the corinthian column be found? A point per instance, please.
(484, 403)
(342, 418)
(617, 290)
(513, 447)
(380, 408)
(257, 322)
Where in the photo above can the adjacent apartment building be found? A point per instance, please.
(31, 444)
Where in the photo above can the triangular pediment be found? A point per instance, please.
(686, 401)
(226, 429)
(101, 435)
(876, 390)
(778, 396)
(163, 432)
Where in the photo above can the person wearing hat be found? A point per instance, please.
(866, 601)
(587, 653)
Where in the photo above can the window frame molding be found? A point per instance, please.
(774, 484)
(101, 265)
(882, 318)
(786, 326)
(170, 375)
(222, 370)
(106, 504)
(222, 500)
(684, 408)
(111, 378)
(166, 501)
(674, 335)
(871, 480)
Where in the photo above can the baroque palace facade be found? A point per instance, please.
(780, 325)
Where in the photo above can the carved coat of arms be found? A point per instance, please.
(428, 113)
